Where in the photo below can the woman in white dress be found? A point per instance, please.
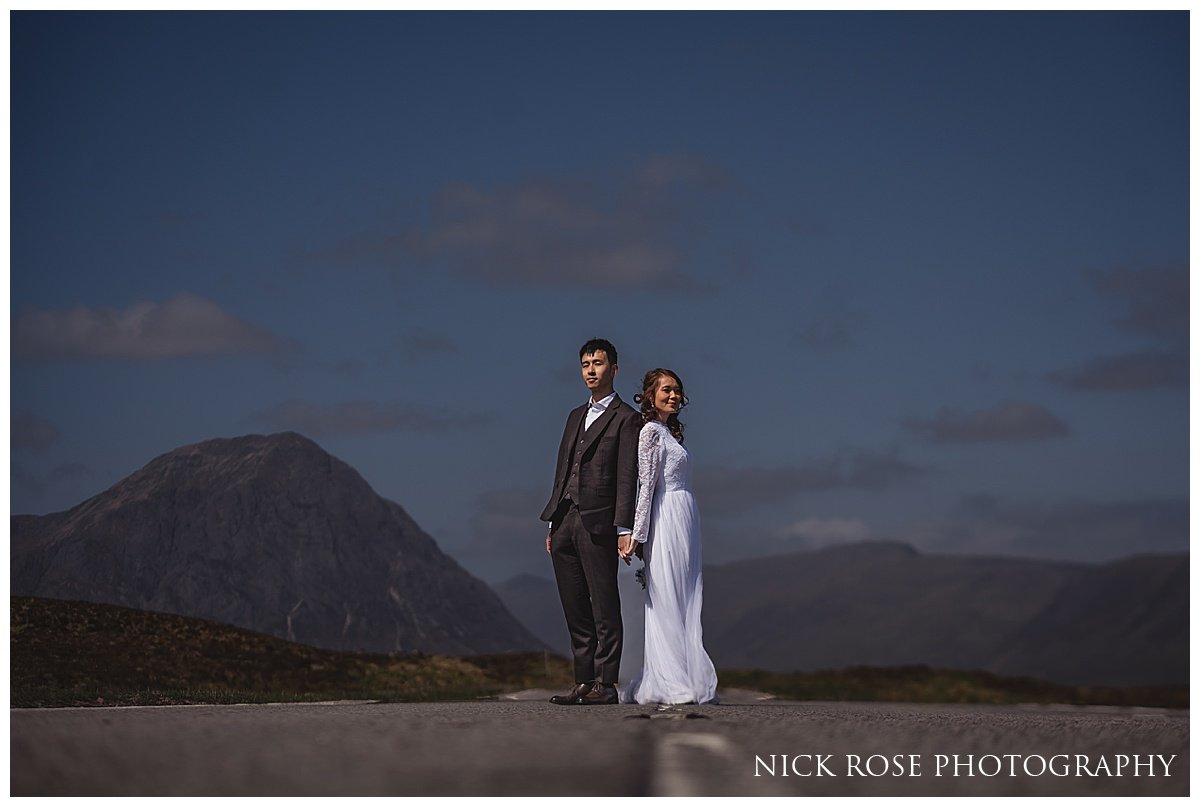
(675, 668)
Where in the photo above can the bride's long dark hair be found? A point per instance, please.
(646, 399)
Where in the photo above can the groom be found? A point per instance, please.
(590, 512)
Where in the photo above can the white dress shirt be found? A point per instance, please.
(596, 409)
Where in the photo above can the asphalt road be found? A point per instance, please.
(530, 747)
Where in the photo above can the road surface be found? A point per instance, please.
(525, 746)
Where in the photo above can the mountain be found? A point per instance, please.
(881, 604)
(268, 533)
(1122, 623)
(885, 604)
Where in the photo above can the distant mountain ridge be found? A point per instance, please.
(268, 533)
(886, 604)
(273, 534)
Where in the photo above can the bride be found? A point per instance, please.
(675, 668)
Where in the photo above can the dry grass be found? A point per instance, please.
(66, 653)
(920, 684)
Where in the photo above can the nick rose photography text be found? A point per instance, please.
(804, 765)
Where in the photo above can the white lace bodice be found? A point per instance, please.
(664, 466)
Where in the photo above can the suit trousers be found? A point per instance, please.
(585, 566)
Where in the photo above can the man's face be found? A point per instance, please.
(598, 374)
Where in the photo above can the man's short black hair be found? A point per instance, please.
(596, 345)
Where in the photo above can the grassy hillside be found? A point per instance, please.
(79, 654)
(921, 684)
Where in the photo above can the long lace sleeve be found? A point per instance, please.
(649, 458)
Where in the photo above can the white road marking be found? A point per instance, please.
(679, 756)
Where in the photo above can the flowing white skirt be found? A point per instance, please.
(675, 667)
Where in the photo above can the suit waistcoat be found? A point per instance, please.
(571, 489)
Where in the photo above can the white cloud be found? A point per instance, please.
(364, 417)
(1011, 421)
(629, 230)
(185, 325)
(814, 533)
(731, 491)
(1081, 529)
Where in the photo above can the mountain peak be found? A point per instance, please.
(270, 533)
(249, 449)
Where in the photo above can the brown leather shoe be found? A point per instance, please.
(599, 695)
(572, 697)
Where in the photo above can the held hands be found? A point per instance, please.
(625, 548)
(547, 543)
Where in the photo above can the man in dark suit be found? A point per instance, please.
(591, 515)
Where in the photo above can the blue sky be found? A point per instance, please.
(924, 275)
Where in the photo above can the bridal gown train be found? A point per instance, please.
(675, 668)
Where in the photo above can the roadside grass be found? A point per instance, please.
(68, 653)
(922, 684)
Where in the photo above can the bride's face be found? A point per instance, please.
(668, 397)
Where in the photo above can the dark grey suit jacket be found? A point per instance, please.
(607, 468)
